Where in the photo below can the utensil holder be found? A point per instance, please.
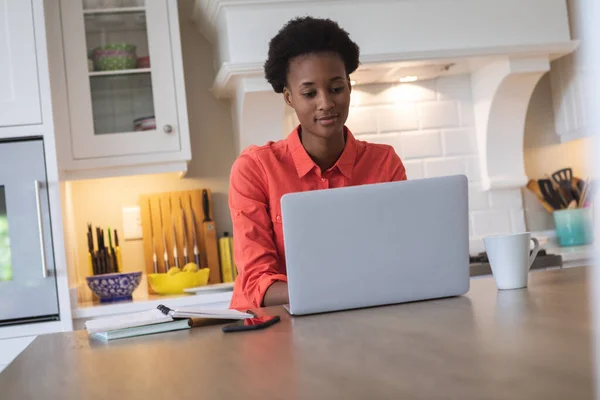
(574, 227)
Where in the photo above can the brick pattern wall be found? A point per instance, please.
(430, 124)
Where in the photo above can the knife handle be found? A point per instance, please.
(205, 206)
(197, 259)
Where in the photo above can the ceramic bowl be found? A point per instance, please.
(114, 287)
(174, 284)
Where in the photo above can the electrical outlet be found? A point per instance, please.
(132, 223)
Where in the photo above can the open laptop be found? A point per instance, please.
(377, 244)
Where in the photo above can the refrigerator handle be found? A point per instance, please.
(38, 201)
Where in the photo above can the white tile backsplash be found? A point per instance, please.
(421, 145)
(438, 114)
(414, 169)
(397, 117)
(492, 222)
(431, 125)
(362, 120)
(444, 167)
(459, 141)
(507, 198)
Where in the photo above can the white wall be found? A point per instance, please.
(431, 126)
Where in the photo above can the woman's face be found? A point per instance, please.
(318, 89)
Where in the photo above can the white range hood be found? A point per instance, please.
(505, 45)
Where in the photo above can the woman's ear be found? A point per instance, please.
(287, 96)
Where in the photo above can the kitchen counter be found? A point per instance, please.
(532, 343)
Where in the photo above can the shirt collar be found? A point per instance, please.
(304, 164)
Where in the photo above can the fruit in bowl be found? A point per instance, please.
(114, 287)
(177, 279)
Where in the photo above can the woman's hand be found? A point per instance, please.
(277, 294)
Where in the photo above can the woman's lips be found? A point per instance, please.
(328, 120)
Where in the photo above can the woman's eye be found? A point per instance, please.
(309, 94)
(337, 89)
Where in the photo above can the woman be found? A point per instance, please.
(309, 62)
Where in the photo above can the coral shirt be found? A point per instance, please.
(262, 175)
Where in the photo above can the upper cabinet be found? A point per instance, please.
(19, 89)
(125, 89)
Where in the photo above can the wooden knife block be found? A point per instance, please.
(151, 207)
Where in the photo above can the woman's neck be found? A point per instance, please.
(323, 151)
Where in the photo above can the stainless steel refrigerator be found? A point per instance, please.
(28, 291)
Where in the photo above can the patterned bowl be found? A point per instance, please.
(114, 287)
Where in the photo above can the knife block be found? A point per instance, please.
(152, 206)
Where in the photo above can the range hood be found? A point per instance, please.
(506, 46)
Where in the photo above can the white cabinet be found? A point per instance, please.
(19, 88)
(126, 95)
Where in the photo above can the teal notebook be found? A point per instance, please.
(143, 330)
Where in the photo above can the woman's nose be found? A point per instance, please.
(325, 103)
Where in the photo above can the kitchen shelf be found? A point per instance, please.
(121, 72)
(114, 10)
(216, 299)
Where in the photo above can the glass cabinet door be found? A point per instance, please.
(120, 77)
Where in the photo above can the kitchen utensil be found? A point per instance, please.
(534, 187)
(111, 254)
(91, 256)
(210, 241)
(551, 196)
(584, 193)
(184, 234)
(196, 253)
(154, 258)
(510, 258)
(228, 268)
(114, 287)
(176, 283)
(563, 175)
(175, 255)
(119, 260)
(162, 229)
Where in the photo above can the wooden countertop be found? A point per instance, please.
(522, 344)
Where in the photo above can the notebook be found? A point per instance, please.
(144, 330)
(159, 315)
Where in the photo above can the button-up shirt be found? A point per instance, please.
(262, 175)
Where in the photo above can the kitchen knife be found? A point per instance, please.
(211, 248)
(196, 253)
(162, 229)
(118, 260)
(175, 255)
(111, 254)
(154, 258)
(184, 228)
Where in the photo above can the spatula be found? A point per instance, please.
(550, 194)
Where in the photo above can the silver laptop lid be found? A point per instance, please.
(376, 244)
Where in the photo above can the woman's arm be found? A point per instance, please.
(276, 294)
(255, 251)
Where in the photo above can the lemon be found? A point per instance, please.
(174, 270)
(190, 267)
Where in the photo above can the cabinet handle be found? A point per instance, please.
(167, 128)
(38, 200)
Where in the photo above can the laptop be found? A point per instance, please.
(376, 244)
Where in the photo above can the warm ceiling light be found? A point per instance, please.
(353, 83)
(409, 78)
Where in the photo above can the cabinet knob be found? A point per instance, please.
(167, 128)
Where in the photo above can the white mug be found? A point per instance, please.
(509, 258)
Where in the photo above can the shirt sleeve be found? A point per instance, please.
(255, 251)
(397, 167)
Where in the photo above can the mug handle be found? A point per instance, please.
(536, 249)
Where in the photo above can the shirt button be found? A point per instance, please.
(323, 180)
(237, 213)
(278, 218)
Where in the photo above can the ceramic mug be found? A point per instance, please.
(510, 258)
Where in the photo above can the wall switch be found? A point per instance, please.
(132, 223)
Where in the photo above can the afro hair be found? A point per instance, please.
(307, 35)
